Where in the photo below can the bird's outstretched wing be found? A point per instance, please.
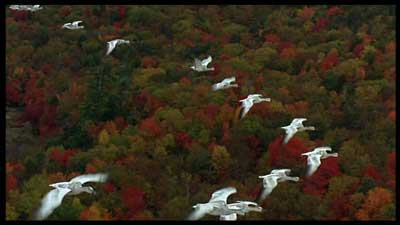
(76, 23)
(290, 131)
(197, 63)
(313, 162)
(230, 217)
(222, 194)
(269, 183)
(206, 61)
(229, 80)
(200, 210)
(50, 202)
(110, 46)
(97, 177)
(298, 121)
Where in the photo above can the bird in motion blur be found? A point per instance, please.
(217, 206)
(224, 84)
(314, 158)
(73, 26)
(54, 198)
(201, 65)
(271, 180)
(295, 126)
(31, 8)
(112, 44)
(248, 102)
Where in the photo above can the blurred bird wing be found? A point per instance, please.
(51, 201)
(76, 23)
(98, 177)
(110, 46)
(313, 162)
(230, 217)
(200, 211)
(229, 80)
(290, 131)
(206, 61)
(298, 121)
(222, 194)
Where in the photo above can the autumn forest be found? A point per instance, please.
(168, 141)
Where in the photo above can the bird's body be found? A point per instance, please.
(54, 198)
(314, 158)
(201, 66)
(73, 26)
(248, 102)
(112, 44)
(271, 180)
(226, 83)
(284, 175)
(295, 126)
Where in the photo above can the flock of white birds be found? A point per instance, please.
(217, 205)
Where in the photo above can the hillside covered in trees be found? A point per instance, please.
(168, 141)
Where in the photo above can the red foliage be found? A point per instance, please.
(318, 182)
(109, 187)
(11, 183)
(288, 154)
(272, 38)
(259, 82)
(121, 123)
(12, 93)
(121, 11)
(284, 44)
(261, 109)
(149, 101)
(226, 133)
(117, 24)
(150, 126)
(372, 172)
(224, 40)
(334, 11)
(188, 42)
(391, 163)
(148, 62)
(358, 50)
(341, 207)
(306, 13)
(185, 81)
(133, 198)
(254, 143)
(392, 115)
(47, 124)
(183, 139)
(331, 60)
(224, 57)
(64, 11)
(19, 15)
(321, 24)
(207, 37)
(62, 157)
(216, 71)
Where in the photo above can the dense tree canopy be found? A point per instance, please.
(167, 141)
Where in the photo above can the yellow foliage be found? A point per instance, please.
(220, 158)
(104, 137)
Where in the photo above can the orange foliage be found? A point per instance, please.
(306, 13)
(331, 60)
(150, 126)
(11, 182)
(148, 62)
(376, 199)
(133, 198)
(288, 53)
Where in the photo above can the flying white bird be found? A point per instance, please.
(201, 66)
(226, 83)
(295, 126)
(284, 175)
(271, 180)
(112, 44)
(248, 102)
(241, 208)
(32, 8)
(314, 158)
(54, 198)
(216, 206)
(73, 26)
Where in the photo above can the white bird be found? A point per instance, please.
(229, 217)
(32, 8)
(112, 44)
(216, 206)
(201, 66)
(284, 175)
(226, 83)
(248, 102)
(270, 182)
(295, 126)
(314, 158)
(243, 207)
(73, 26)
(54, 198)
